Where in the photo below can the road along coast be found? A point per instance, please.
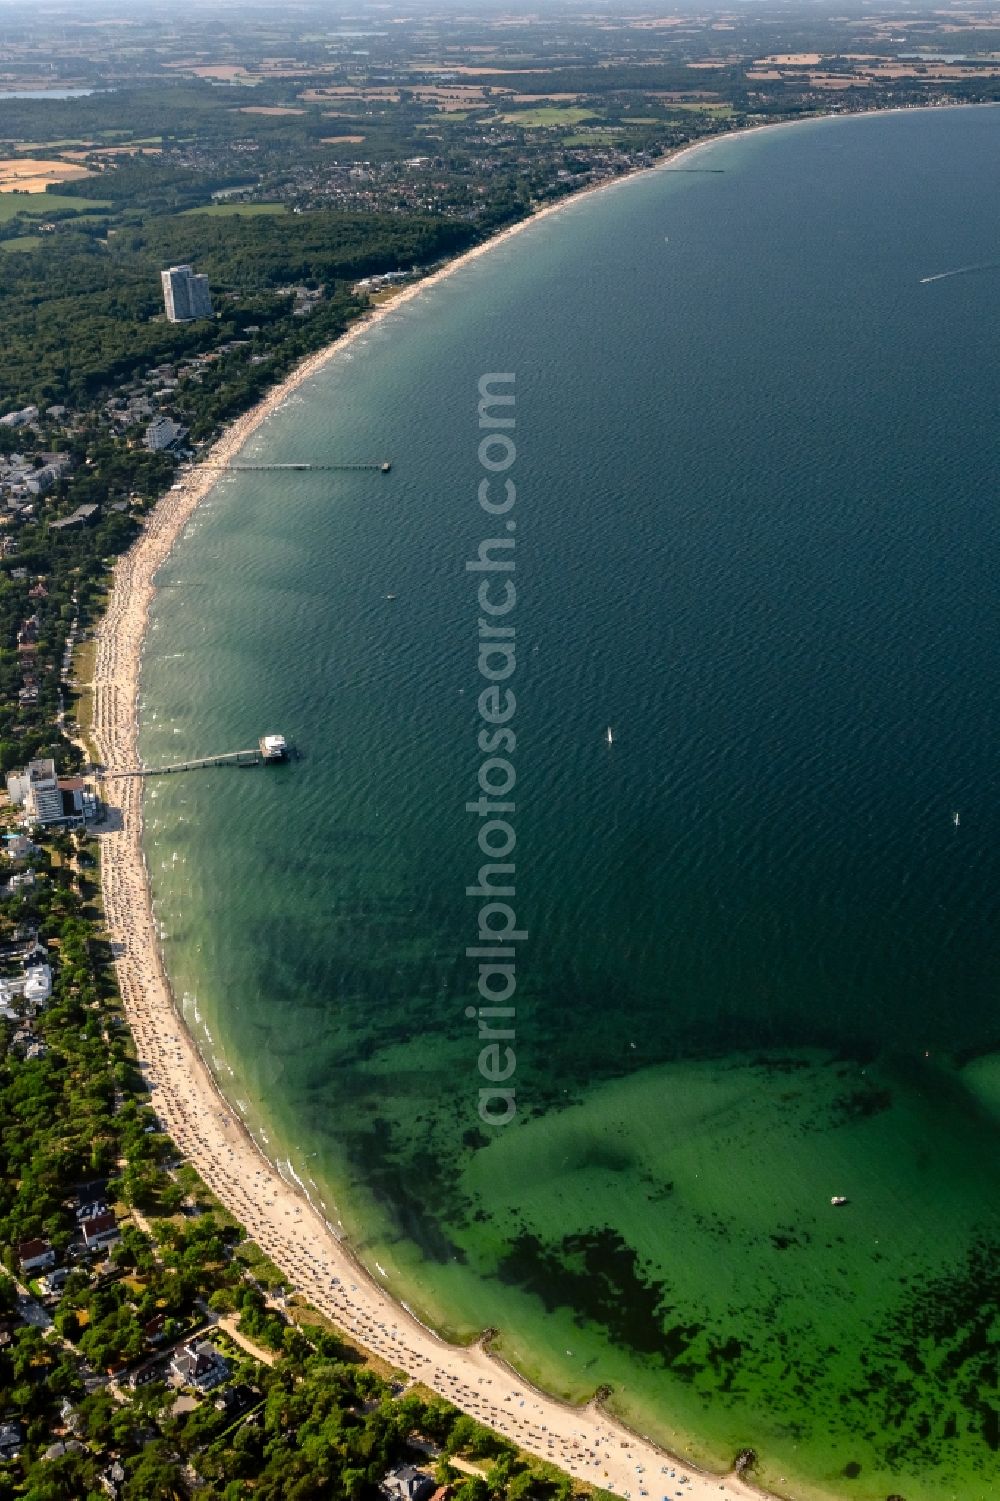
(583, 1441)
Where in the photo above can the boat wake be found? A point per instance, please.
(961, 271)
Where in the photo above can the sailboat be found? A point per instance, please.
(955, 819)
(609, 736)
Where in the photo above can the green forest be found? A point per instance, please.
(80, 315)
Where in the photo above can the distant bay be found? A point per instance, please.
(757, 459)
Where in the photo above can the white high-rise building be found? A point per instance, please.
(162, 433)
(37, 791)
(185, 294)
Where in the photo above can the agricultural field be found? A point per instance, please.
(595, 138)
(720, 111)
(231, 210)
(38, 205)
(32, 174)
(21, 242)
(547, 115)
(53, 145)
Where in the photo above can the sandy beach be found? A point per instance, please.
(582, 1441)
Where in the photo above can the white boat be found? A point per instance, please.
(838, 1199)
(609, 736)
(956, 820)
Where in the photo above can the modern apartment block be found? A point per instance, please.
(37, 791)
(185, 294)
(47, 798)
(163, 433)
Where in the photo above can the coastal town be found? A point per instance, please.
(175, 1319)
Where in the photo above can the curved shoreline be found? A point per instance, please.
(583, 1441)
(205, 1131)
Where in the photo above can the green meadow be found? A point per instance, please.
(38, 205)
(548, 114)
(227, 210)
(22, 242)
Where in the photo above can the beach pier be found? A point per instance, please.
(269, 750)
(382, 466)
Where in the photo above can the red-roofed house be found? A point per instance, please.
(100, 1231)
(35, 1255)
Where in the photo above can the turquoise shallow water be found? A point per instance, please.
(756, 534)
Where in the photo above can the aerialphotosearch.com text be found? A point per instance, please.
(497, 931)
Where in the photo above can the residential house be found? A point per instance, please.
(51, 472)
(23, 946)
(24, 1044)
(21, 418)
(11, 1439)
(19, 846)
(235, 1399)
(37, 980)
(92, 1198)
(153, 1329)
(69, 1416)
(406, 1483)
(63, 1446)
(35, 1255)
(100, 1231)
(13, 988)
(146, 1373)
(200, 1365)
(21, 1041)
(113, 1479)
